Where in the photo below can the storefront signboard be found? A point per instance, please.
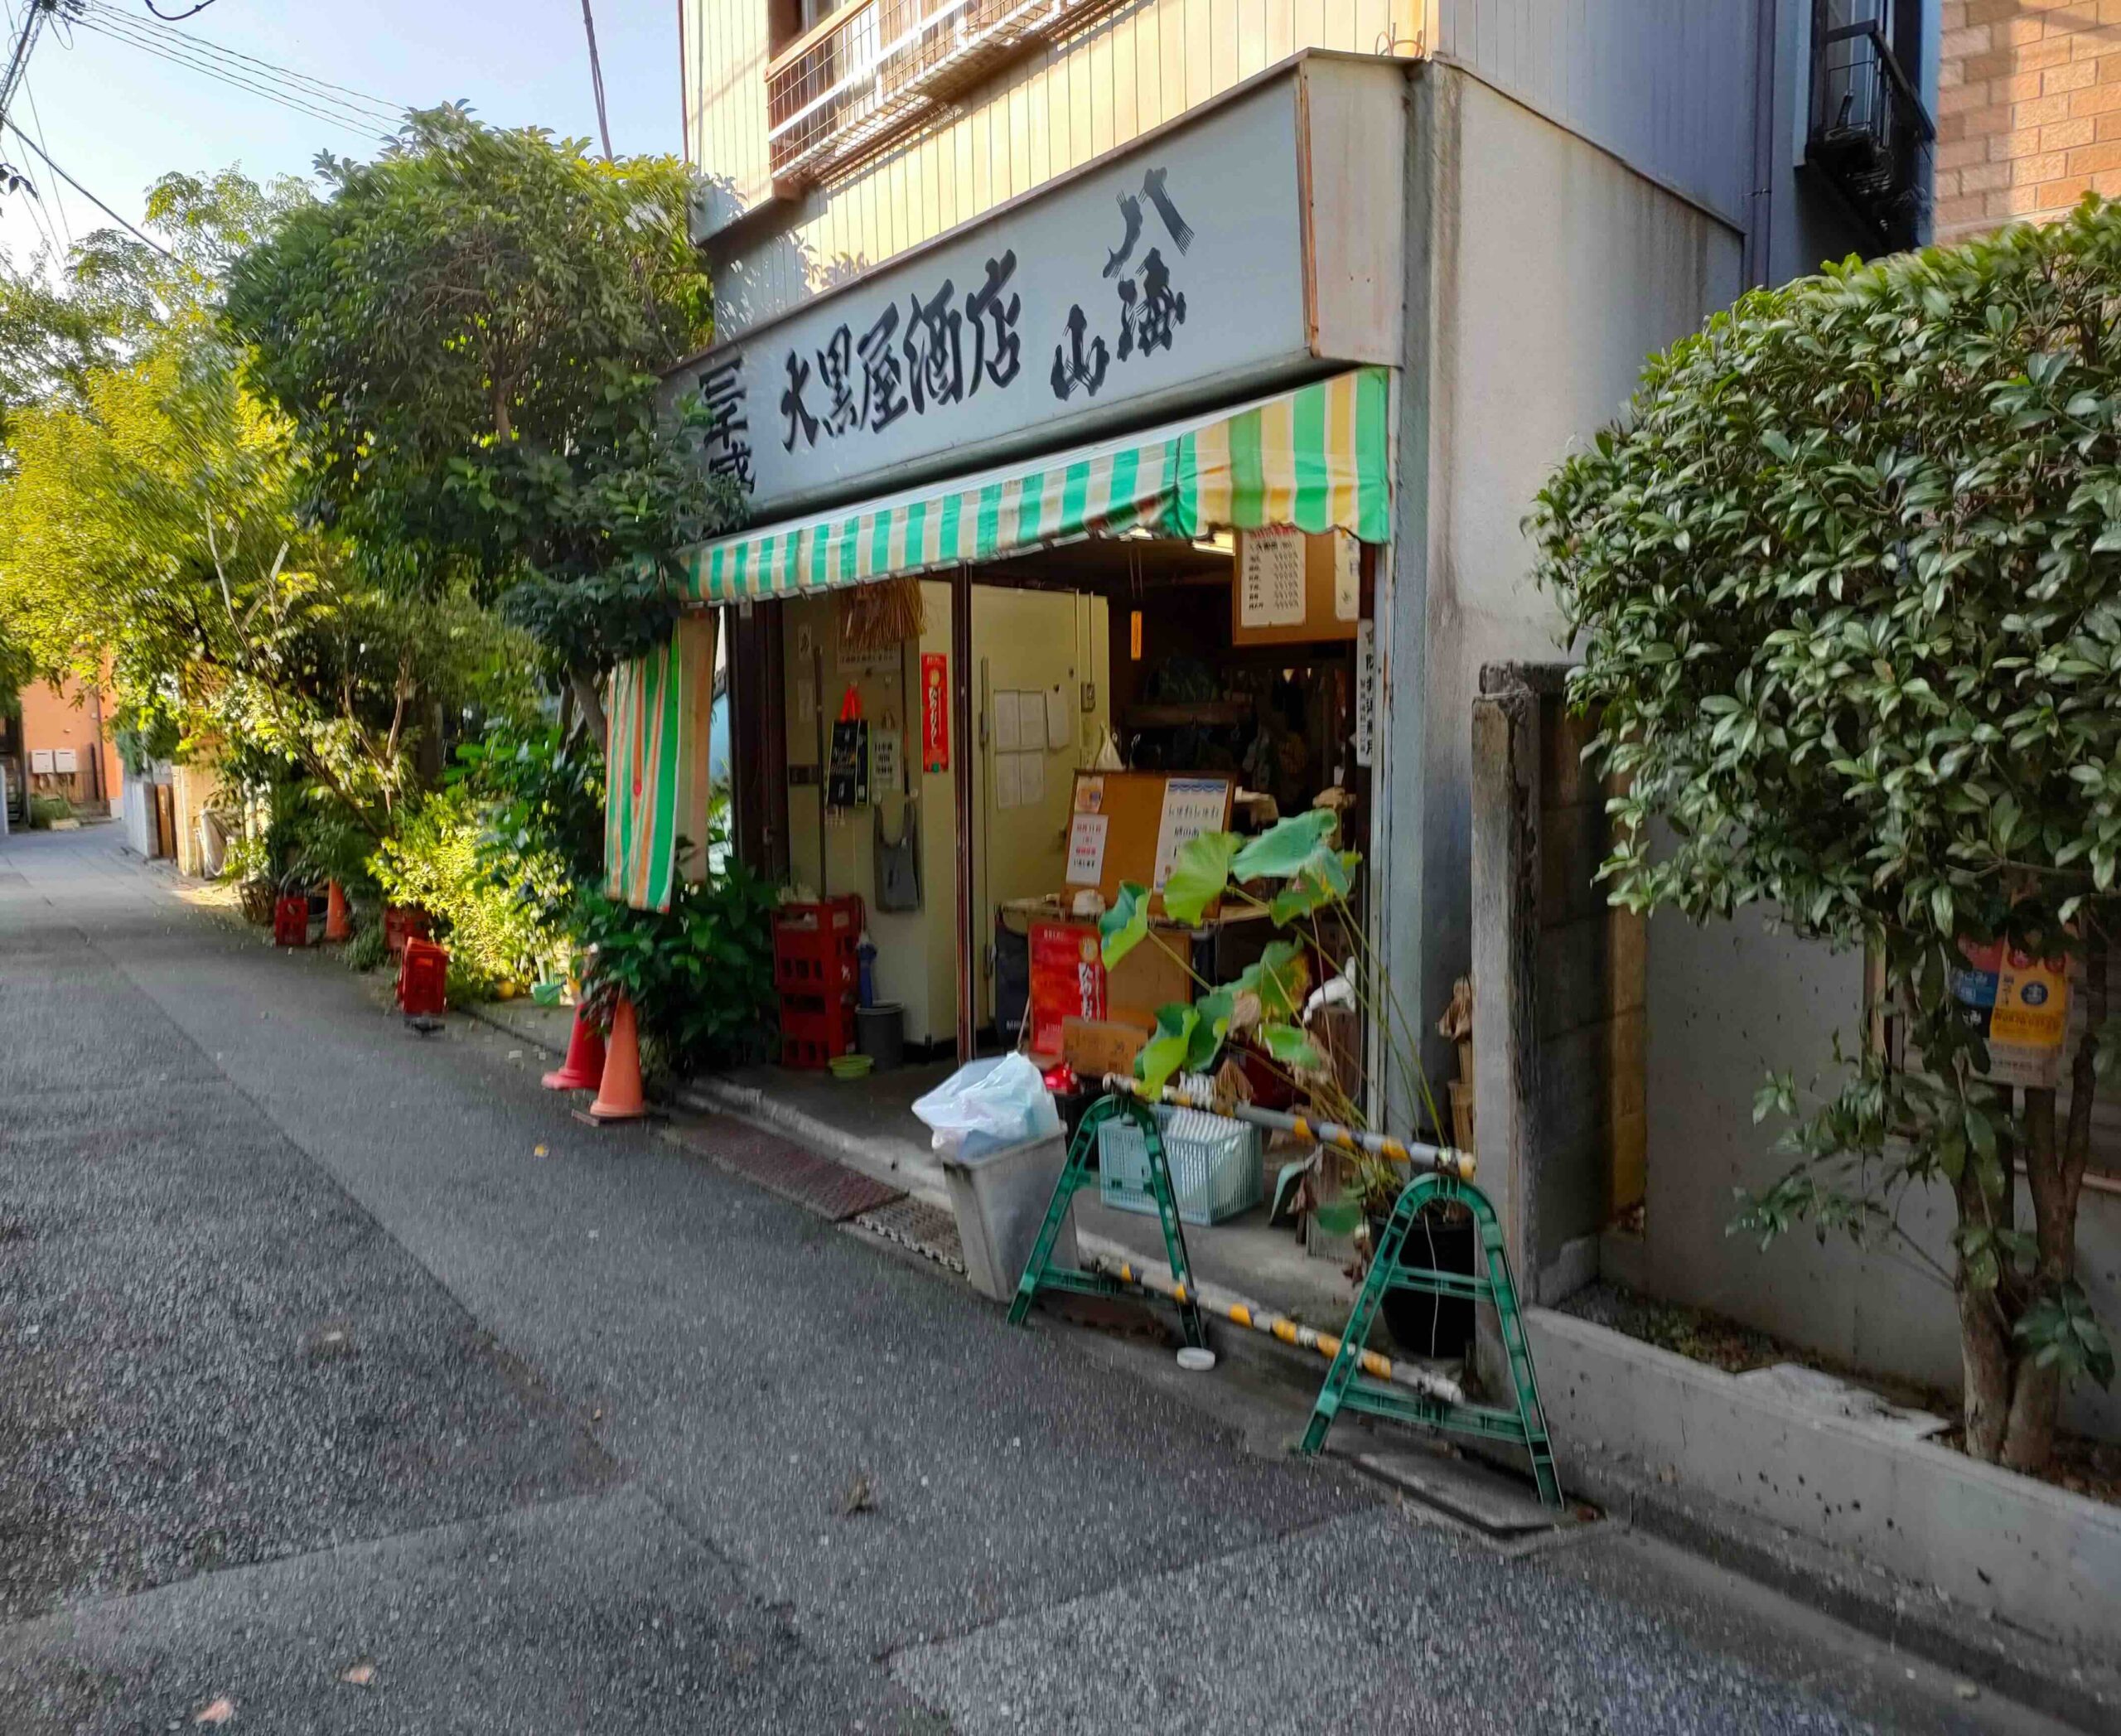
(1172, 270)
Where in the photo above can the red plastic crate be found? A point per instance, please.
(403, 922)
(814, 948)
(291, 920)
(423, 980)
(814, 1032)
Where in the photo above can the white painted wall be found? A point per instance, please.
(1729, 1005)
(1551, 271)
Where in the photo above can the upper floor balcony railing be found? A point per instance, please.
(1868, 131)
(876, 68)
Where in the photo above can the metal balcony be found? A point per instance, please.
(1868, 133)
(880, 68)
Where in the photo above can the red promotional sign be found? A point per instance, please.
(1067, 980)
(934, 712)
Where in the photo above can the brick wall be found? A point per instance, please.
(2028, 109)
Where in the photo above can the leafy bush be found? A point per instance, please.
(1847, 579)
(543, 807)
(700, 974)
(368, 948)
(437, 863)
(45, 809)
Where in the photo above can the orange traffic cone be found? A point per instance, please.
(618, 1095)
(337, 926)
(584, 1065)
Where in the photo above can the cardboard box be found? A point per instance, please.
(1096, 1046)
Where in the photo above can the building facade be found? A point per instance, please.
(1491, 209)
(64, 747)
(2028, 110)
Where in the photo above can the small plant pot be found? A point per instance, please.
(1423, 1324)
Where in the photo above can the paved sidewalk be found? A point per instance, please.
(325, 1349)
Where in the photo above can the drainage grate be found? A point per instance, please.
(830, 1189)
(915, 1224)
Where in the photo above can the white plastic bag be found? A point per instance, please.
(1000, 1102)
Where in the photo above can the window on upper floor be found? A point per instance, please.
(1867, 131)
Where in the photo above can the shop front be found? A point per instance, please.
(1069, 535)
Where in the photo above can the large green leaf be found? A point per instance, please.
(1199, 874)
(1126, 924)
(1283, 847)
(1292, 1045)
(1166, 1052)
(1280, 977)
(1322, 879)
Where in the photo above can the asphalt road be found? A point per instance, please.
(347, 1383)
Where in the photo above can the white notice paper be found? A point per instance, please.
(1008, 722)
(1270, 579)
(1192, 805)
(1059, 731)
(1008, 781)
(883, 761)
(1347, 577)
(1031, 777)
(1086, 849)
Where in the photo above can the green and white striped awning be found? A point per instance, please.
(1315, 458)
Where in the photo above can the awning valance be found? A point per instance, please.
(1316, 458)
(655, 776)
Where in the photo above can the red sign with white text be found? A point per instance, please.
(934, 712)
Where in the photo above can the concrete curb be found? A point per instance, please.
(869, 1158)
(2009, 1580)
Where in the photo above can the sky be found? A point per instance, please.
(115, 116)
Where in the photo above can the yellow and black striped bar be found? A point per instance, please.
(1443, 1159)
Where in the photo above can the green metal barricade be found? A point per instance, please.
(1448, 1180)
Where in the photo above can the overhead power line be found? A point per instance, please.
(287, 73)
(339, 112)
(136, 232)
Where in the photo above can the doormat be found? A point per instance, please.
(831, 1190)
(927, 1230)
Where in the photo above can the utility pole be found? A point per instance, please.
(18, 56)
(595, 79)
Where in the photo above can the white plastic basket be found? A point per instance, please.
(1215, 1167)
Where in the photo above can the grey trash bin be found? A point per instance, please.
(1000, 1194)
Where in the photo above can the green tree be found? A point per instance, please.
(466, 334)
(1848, 578)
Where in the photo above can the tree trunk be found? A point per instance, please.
(1984, 1343)
(588, 695)
(2055, 1173)
(2037, 1393)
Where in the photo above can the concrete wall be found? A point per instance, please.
(195, 787)
(1551, 270)
(1666, 86)
(1559, 1005)
(1728, 1004)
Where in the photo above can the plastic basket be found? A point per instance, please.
(1215, 1167)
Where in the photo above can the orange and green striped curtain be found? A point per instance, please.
(655, 800)
(1317, 458)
